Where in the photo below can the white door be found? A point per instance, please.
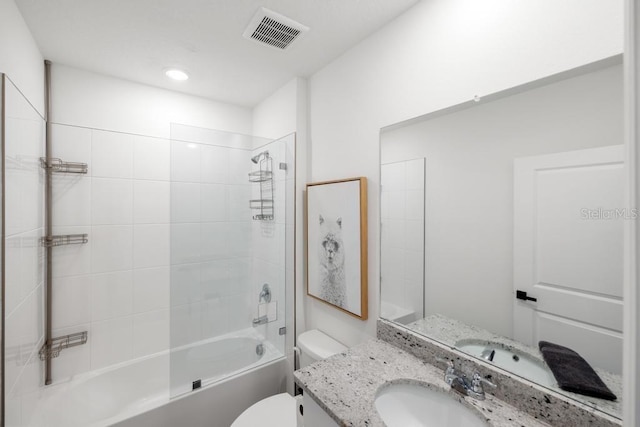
(568, 252)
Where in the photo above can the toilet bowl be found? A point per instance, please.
(281, 410)
(274, 411)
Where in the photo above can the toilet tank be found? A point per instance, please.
(315, 345)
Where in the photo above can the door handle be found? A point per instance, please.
(523, 296)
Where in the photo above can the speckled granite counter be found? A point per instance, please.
(450, 331)
(345, 385)
(542, 403)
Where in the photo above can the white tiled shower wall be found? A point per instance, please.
(24, 262)
(170, 259)
(211, 234)
(220, 256)
(116, 287)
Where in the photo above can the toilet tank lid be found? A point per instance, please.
(318, 345)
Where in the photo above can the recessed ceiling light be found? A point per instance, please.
(175, 74)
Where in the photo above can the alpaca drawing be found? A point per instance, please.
(333, 288)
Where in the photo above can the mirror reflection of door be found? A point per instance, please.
(568, 251)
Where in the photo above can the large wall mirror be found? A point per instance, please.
(502, 225)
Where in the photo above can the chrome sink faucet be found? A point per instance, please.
(461, 383)
(450, 372)
(471, 388)
(488, 354)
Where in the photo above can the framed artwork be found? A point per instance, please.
(337, 244)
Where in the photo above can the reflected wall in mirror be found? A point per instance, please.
(522, 192)
(402, 238)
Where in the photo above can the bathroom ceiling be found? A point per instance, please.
(138, 39)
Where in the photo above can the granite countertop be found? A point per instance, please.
(450, 331)
(345, 385)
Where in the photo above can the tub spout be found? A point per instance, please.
(260, 320)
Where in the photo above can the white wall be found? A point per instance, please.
(20, 57)
(439, 53)
(86, 99)
(402, 220)
(469, 184)
(276, 115)
(284, 112)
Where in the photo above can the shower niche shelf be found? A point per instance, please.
(264, 178)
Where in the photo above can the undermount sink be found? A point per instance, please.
(519, 363)
(416, 405)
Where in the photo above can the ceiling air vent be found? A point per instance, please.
(273, 29)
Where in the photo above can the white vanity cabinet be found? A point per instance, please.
(315, 416)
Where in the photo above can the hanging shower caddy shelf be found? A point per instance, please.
(60, 343)
(54, 165)
(53, 346)
(264, 178)
(66, 239)
(57, 165)
(260, 176)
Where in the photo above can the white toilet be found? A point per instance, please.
(281, 410)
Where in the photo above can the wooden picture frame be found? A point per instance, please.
(336, 231)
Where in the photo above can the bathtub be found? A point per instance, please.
(140, 392)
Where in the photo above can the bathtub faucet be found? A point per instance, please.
(265, 294)
(260, 320)
(264, 297)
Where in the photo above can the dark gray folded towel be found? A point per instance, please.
(572, 372)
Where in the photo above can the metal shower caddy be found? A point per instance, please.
(264, 177)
